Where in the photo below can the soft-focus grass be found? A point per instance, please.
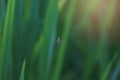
(28, 40)
(6, 52)
(22, 71)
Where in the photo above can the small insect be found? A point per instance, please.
(58, 40)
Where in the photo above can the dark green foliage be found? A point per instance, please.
(39, 40)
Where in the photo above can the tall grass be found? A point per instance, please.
(29, 49)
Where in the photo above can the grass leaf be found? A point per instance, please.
(23, 71)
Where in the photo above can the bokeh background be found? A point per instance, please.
(59, 39)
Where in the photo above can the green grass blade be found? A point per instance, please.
(61, 4)
(18, 40)
(48, 40)
(2, 11)
(7, 36)
(116, 71)
(61, 51)
(1, 55)
(108, 68)
(23, 71)
(27, 9)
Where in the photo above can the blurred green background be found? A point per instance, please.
(59, 40)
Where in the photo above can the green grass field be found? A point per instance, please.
(39, 40)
